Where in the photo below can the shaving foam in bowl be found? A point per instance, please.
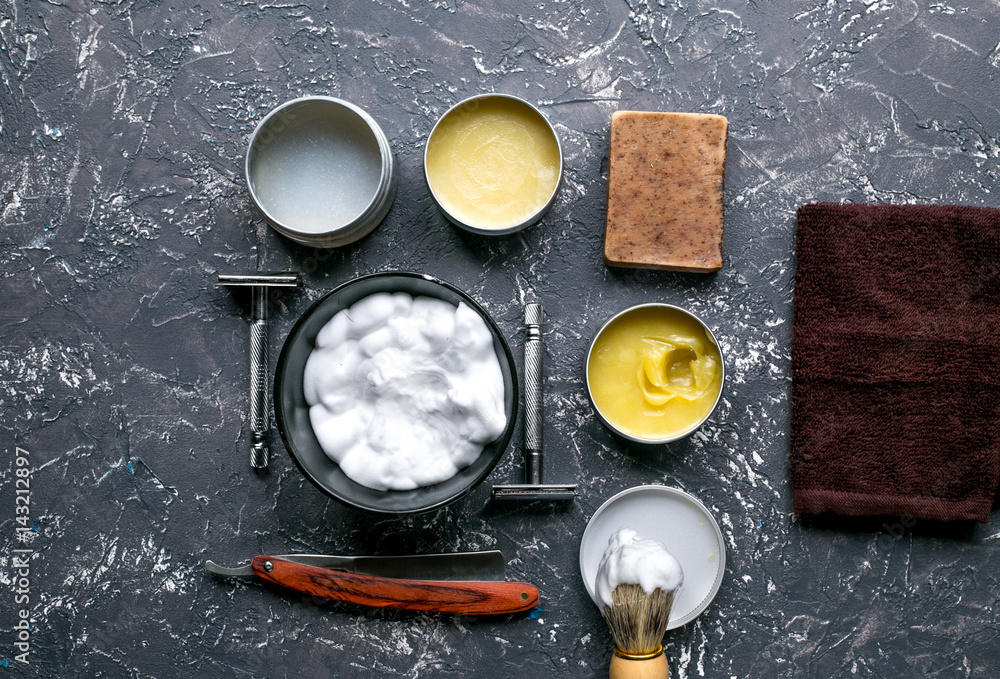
(313, 440)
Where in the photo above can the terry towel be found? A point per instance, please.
(896, 361)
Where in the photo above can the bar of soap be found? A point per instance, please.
(665, 191)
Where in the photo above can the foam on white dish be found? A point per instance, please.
(631, 560)
(404, 392)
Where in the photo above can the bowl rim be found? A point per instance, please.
(534, 217)
(365, 221)
(694, 427)
(502, 442)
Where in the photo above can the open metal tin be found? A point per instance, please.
(608, 422)
(321, 171)
(533, 134)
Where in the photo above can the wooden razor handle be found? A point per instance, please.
(467, 598)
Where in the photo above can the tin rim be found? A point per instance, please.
(692, 428)
(368, 218)
(536, 216)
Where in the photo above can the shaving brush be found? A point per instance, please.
(637, 622)
(635, 587)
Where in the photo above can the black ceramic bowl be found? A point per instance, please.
(292, 411)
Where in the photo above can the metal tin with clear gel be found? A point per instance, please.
(321, 171)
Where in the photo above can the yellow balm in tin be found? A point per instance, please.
(493, 163)
(654, 373)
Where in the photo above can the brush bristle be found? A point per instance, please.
(637, 621)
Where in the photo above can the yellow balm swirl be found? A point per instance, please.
(675, 367)
(654, 373)
(493, 162)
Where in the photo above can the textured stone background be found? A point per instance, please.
(123, 371)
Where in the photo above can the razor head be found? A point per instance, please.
(286, 279)
(532, 492)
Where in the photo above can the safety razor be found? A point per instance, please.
(533, 488)
(264, 288)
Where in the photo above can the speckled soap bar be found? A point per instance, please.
(665, 187)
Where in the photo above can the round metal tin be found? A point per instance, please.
(689, 431)
(321, 171)
(470, 105)
(673, 518)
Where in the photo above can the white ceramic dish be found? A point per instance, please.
(676, 519)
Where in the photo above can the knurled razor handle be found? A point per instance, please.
(533, 393)
(260, 407)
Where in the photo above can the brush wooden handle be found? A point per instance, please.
(652, 668)
(467, 598)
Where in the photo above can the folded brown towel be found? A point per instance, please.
(896, 361)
